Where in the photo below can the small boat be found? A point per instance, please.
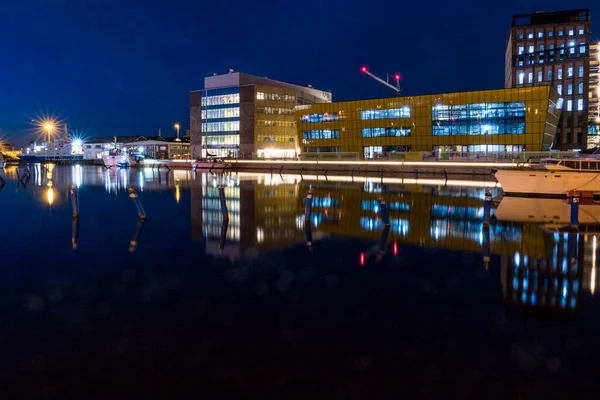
(116, 158)
(552, 177)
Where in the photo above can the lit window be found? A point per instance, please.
(549, 75)
(580, 88)
(403, 112)
(571, 50)
(260, 96)
(520, 36)
(560, 33)
(559, 73)
(530, 77)
(541, 47)
(559, 89)
(570, 89)
(570, 72)
(559, 103)
(531, 49)
(580, 105)
(530, 35)
(582, 49)
(521, 77)
(551, 33)
(540, 34)
(581, 31)
(540, 76)
(569, 105)
(521, 50)
(581, 71)
(571, 32)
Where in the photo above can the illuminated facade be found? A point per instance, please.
(237, 115)
(553, 49)
(594, 97)
(505, 120)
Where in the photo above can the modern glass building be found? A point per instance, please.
(505, 120)
(240, 115)
(553, 49)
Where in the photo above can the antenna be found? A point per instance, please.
(397, 77)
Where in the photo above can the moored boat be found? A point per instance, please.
(552, 177)
(116, 158)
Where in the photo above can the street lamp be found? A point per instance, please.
(49, 127)
(177, 126)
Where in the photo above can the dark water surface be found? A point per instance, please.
(417, 310)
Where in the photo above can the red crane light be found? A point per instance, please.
(395, 249)
(362, 259)
(397, 77)
(363, 69)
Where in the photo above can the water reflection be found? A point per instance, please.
(540, 265)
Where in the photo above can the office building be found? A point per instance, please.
(237, 115)
(553, 48)
(504, 120)
(594, 97)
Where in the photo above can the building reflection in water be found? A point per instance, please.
(550, 282)
(266, 212)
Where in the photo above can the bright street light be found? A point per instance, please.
(177, 126)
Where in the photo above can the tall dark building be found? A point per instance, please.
(553, 48)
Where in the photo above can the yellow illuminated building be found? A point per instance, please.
(504, 120)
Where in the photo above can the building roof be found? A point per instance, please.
(131, 139)
(237, 79)
(555, 17)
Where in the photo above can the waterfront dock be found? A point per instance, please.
(371, 168)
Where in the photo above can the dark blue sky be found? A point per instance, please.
(126, 67)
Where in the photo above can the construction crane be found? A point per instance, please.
(396, 88)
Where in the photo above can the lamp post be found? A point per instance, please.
(177, 126)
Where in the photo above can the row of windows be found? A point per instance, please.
(275, 110)
(274, 96)
(403, 112)
(383, 132)
(570, 105)
(278, 139)
(281, 124)
(231, 112)
(222, 139)
(322, 149)
(559, 88)
(221, 99)
(376, 151)
(479, 119)
(221, 126)
(540, 34)
(508, 148)
(549, 56)
(326, 117)
(559, 75)
(322, 134)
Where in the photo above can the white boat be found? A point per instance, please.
(552, 177)
(116, 158)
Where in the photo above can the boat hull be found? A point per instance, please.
(31, 158)
(547, 183)
(121, 160)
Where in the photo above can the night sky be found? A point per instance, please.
(118, 67)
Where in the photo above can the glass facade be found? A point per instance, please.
(493, 120)
(221, 120)
(479, 119)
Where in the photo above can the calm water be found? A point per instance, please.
(436, 305)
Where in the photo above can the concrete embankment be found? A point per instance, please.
(434, 168)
